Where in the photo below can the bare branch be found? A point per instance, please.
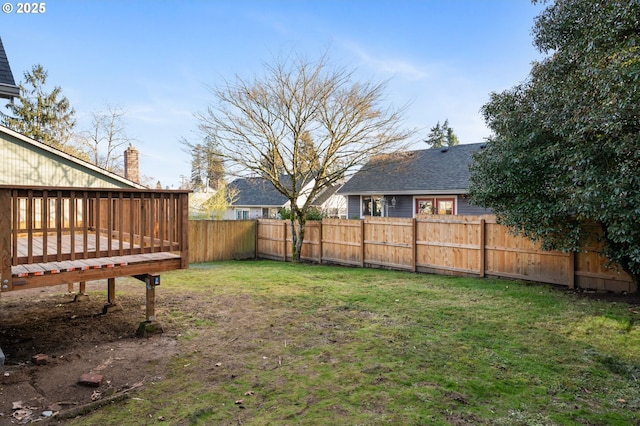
(304, 120)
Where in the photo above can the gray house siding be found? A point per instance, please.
(465, 208)
(403, 208)
(353, 207)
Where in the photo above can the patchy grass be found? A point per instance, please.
(270, 343)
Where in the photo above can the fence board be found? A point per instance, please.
(389, 242)
(451, 246)
(342, 241)
(212, 240)
(271, 239)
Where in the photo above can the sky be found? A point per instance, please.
(158, 60)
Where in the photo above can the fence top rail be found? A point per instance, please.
(65, 189)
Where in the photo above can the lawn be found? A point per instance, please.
(271, 343)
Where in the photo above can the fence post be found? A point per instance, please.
(572, 270)
(184, 230)
(5, 239)
(362, 243)
(257, 232)
(320, 241)
(284, 241)
(482, 248)
(414, 261)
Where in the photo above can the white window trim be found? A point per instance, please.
(237, 210)
(436, 198)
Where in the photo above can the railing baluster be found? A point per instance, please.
(98, 207)
(58, 225)
(121, 224)
(86, 223)
(152, 222)
(29, 218)
(15, 227)
(44, 224)
(72, 224)
(131, 226)
(110, 222)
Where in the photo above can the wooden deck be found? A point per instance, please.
(52, 236)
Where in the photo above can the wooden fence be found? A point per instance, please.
(211, 240)
(456, 245)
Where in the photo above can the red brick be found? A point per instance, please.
(91, 379)
(40, 359)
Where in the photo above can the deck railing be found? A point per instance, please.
(45, 224)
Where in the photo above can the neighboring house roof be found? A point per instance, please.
(256, 191)
(326, 193)
(8, 88)
(428, 171)
(260, 192)
(25, 161)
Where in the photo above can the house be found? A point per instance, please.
(254, 198)
(8, 88)
(330, 203)
(257, 198)
(405, 184)
(27, 162)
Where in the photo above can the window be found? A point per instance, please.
(242, 214)
(445, 206)
(372, 206)
(424, 207)
(435, 205)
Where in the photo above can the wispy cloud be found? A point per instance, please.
(388, 65)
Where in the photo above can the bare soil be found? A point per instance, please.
(77, 338)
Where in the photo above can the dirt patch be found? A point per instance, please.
(74, 338)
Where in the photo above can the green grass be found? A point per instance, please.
(310, 345)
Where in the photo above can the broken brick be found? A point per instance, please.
(91, 379)
(40, 359)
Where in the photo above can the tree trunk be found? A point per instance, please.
(297, 237)
(294, 240)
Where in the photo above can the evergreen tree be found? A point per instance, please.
(441, 136)
(44, 116)
(436, 137)
(207, 166)
(562, 166)
(452, 139)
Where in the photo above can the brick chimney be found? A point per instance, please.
(131, 165)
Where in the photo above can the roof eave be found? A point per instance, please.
(409, 192)
(8, 91)
(71, 158)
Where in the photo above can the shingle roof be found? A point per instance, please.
(326, 193)
(8, 88)
(257, 191)
(424, 171)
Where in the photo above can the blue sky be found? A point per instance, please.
(155, 59)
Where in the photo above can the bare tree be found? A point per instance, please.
(264, 125)
(104, 141)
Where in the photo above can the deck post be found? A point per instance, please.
(111, 305)
(151, 282)
(150, 326)
(5, 240)
(111, 291)
(81, 294)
